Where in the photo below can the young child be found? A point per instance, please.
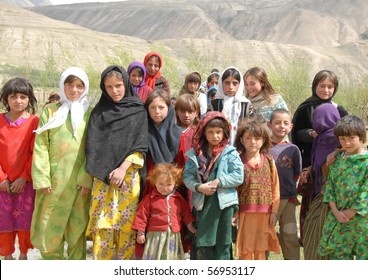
(259, 195)
(345, 231)
(230, 100)
(16, 148)
(263, 97)
(187, 117)
(288, 163)
(212, 173)
(59, 174)
(160, 215)
(137, 75)
(154, 79)
(191, 85)
(116, 148)
(324, 119)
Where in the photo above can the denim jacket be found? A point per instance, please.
(230, 171)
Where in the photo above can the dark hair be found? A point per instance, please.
(71, 78)
(211, 76)
(217, 122)
(211, 92)
(323, 75)
(19, 85)
(112, 73)
(155, 57)
(171, 171)
(158, 92)
(231, 72)
(260, 75)
(138, 69)
(187, 102)
(193, 77)
(351, 126)
(257, 130)
(279, 111)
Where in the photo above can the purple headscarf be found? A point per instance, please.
(140, 65)
(325, 118)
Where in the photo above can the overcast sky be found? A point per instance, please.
(57, 2)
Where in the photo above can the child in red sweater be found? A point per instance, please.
(160, 215)
(16, 148)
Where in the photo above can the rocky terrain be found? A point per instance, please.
(270, 34)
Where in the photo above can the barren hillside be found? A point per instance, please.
(310, 22)
(29, 39)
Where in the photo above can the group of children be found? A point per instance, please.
(145, 180)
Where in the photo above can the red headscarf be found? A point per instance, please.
(199, 144)
(151, 80)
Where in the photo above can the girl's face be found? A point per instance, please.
(186, 117)
(213, 82)
(251, 143)
(164, 185)
(252, 86)
(325, 89)
(158, 110)
(135, 77)
(214, 136)
(115, 88)
(351, 144)
(193, 86)
(152, 66)
(230, 86)
(74, 90)
(18, 102)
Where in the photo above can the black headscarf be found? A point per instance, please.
(115, 129)
(164, 140)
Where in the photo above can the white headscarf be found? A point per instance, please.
(232, 104)
(77, 108)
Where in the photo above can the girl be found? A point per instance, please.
(324, 120)
(116, 148)
(259, 195)
(137, 75)
(58, 170)
(262, 95)
(212, 173)
(346, 228)
(187, 117)
(16, 148)
(160, 215)
(324, 87)
(163, 132)
(230, 100)
(153, 64)
(191, 85)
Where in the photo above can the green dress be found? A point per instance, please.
(347, 186)
(59, 163)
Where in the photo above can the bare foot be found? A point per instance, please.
(23, 257)
(8, 257)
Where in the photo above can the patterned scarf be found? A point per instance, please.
(151, 80)
(200, 145)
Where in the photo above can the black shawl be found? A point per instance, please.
(302, 120)
(164, 140)
(115, 130)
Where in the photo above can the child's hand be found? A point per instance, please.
(17, 185)
(47, 190)
(141, 238)
(5, 186)
(331, 158)
(191, 228)
(273, 219)
(341, 216)
(117, 176)
(235, 218)
(349, 213)
(84, 191)
(207, 188)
